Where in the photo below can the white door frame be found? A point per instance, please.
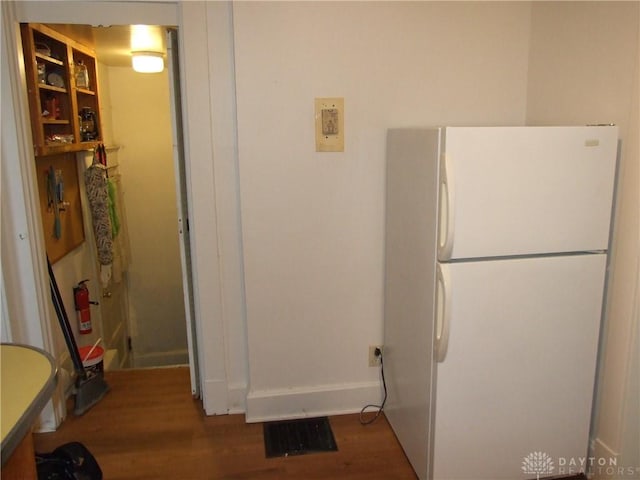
(182, 203)
(191, 19)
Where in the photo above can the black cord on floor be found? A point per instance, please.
(384, 400)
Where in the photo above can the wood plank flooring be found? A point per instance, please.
(149, 427)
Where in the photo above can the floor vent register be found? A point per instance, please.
(298, 437)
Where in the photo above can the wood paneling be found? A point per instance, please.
(149, 427)
(71, 224)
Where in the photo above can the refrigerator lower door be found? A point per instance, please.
(517, 378)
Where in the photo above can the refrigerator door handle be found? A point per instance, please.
(446, 209)
(443, 311)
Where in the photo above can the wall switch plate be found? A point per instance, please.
(329, 116)
(374, 361)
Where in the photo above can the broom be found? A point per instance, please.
(89, 390)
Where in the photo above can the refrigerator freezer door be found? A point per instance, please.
(525, 190)
(519, 371)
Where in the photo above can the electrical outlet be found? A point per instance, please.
(374, 360)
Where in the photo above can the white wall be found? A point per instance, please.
(141, 126)
(395, 64)
(104, 86)
(584, 69)
(5, 325)
(628, 328)
(313, 223)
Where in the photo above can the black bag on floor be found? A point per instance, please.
(71, 461)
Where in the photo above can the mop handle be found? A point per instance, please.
(64, 324)
(91, 350)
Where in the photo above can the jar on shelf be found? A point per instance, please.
(42, 73)
(52, 108)
(82, 75)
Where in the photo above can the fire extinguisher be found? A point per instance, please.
(81, 299)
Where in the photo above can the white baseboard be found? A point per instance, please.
(237, 399)
(161, 359)
(214, 396)
(55, 411)
(66, 374)
(268, 405)
(601, 452)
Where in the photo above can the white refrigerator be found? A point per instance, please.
(495, 266)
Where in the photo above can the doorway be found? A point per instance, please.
(206, 35)
(142, 318)
(139, 111)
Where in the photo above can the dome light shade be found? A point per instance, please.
(147, 62)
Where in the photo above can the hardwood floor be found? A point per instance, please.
(149, 427)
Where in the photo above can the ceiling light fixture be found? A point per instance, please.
(147, 62)
(147, 48)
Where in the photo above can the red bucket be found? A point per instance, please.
(93, 364)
